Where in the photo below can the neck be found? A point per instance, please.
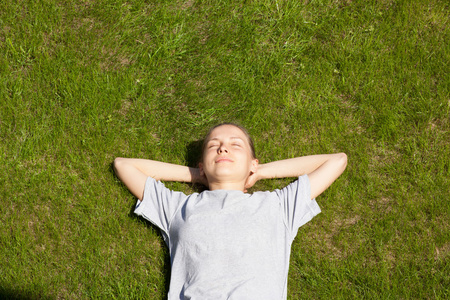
(234, 186)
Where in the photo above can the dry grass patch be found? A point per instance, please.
(443, 253)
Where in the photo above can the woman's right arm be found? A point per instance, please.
(133, 172)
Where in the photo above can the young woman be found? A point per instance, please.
(223, 242)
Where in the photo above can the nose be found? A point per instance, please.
(222, 149)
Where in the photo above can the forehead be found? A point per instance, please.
(227, 131)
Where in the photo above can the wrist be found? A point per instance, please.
(197, 177)
(262, 174)
(195, 174)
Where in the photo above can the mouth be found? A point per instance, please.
(223, 159)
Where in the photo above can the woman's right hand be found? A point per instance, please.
(198, 176)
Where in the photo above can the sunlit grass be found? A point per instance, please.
(82, 82)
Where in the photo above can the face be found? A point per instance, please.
(227, 155)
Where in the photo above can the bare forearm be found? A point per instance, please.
(133, 172)
(159, 170)
(293, 167)
(322, 170)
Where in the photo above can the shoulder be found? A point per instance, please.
(156, 190)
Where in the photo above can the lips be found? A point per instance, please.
(223, 159)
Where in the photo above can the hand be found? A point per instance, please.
(203, 180)
(251, 180)
(198, 177)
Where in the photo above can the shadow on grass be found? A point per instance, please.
(131, 214)
(192, 157)
(194, 153)
(6, 293)
(167, 265)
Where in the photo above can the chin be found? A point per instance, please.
(224, 174)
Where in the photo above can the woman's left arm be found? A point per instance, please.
(322, 170)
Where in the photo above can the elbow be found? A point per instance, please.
(342, 160)
(118, 162)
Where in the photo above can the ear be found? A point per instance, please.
(254, 166)
(253, 176)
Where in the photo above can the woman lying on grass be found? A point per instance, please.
(223, 242)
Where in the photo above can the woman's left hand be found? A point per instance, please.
(251, 180)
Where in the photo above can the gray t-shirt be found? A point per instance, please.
(228, 244)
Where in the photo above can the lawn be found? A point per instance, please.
(83, 82)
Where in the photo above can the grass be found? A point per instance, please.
(82, 82)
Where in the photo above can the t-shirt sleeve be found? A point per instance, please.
(159, 204)
(298, 208)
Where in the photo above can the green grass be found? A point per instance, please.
(82, 82)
